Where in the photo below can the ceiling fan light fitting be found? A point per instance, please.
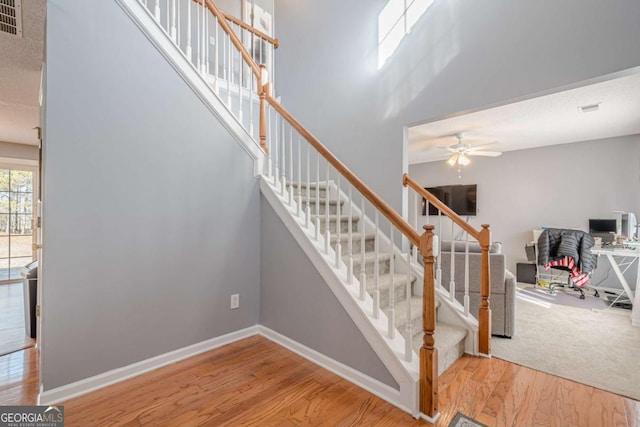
(453, 160)
(463, 160)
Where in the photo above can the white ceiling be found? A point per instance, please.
(20, 76)
(547, 120)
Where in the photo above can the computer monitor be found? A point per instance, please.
(603, 228)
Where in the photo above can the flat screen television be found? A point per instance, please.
(460, 198)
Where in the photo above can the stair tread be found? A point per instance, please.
(356, 234)
(447, 336)
(384, 280)
(321, 185)
(332, 217)
(322, 200)
(401, 311)
(368, 256)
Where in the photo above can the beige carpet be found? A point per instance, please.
(597, 348)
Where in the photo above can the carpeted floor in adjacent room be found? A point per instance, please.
(599, 348)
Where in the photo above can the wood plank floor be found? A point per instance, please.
(12, 333)
(257, 382)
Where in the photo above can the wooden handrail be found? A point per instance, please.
(244, 25)
(399, 222)
(234, 38)
(407, 181)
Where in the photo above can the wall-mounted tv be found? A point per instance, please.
(460, 198)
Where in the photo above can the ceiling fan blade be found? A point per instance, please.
(483, 146)
(484, 153)
(448, 149)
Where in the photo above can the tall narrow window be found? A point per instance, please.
(394, 22)
(16, 222)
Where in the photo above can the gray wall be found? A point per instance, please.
(461, 55)
(559, 186)
(151, 212)
(296, 302)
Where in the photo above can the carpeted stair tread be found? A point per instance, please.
(357, 236)
(416, 314)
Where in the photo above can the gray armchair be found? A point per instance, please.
(503, 283)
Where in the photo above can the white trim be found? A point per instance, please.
(185, 69)
(114, 376)
(371, 385)
(390, 351)
(429, 419)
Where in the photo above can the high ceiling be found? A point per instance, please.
(20, 76)
(547, 120)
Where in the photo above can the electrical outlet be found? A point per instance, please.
(235, 301)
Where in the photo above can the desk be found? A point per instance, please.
(625, 258)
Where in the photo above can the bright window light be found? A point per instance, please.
(394, 22)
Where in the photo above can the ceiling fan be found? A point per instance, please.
(461, 152)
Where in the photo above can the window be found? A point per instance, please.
(394, 22)
(16, 219)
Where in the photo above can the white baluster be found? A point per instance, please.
(189, 52)
(300, 176)
(251, 77)
(276, 159)
(156, 10)
(179, 21)
(198, 39)
(338, 224)
(392, 290)
(350, 239)
(363, 227)
(466, 277)
(228, 72)
(452, 278)
(172, 12)
(290, 189)
(376, 269)
(270, 150)
(439, 257)
(415, 220)
(203, 69)
(327, 196)
(317, 195)
(216, 54)
(408, 348)
(206, 43)
(283, 159)
(168, 9)
(307, 213)
(240, 90)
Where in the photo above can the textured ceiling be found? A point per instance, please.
(547, 120)
(20, 76)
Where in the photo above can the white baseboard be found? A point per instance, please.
(371, 385)
(114, 376)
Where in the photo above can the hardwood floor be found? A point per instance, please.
(19, 378)
(257, 382)
(12, 333)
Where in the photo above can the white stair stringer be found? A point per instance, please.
(390, 351)
(192, 77)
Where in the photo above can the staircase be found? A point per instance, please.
(367, 253)
(450, 339)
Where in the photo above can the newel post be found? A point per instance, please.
(265, 87)
(484, 314)
(428, 352)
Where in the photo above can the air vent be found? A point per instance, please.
(11, 17)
